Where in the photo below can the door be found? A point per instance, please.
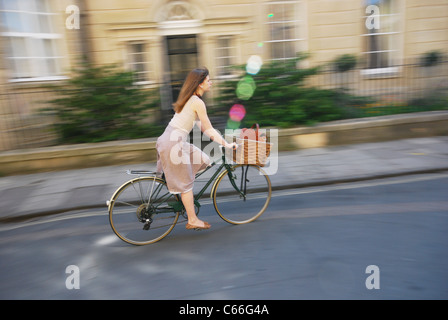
(182, 55)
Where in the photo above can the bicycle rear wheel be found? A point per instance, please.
(246, 198)
(141, 211)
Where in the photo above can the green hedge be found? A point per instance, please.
(281, 99)
(101, 104)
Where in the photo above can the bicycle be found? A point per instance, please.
(142, 210)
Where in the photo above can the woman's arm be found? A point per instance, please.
(206, 125)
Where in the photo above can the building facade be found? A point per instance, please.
(42, 40)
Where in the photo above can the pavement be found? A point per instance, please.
(29, 196)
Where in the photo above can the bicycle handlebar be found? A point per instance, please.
(223, 148)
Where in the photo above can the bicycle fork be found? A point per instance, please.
(243, 183)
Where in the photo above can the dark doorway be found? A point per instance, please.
(182, 54)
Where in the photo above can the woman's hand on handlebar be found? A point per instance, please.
(233, 145)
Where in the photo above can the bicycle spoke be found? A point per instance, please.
(137, 192)
(126, 203)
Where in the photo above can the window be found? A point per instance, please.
(283, 29)
(137, 61)
(381, 39)
(30, 40)
(225, 56)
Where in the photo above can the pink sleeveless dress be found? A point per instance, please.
(176, 157)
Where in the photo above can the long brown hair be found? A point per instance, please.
(191, 84)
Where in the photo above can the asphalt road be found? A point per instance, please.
(383, 239)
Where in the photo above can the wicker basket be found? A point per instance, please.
(252, 152)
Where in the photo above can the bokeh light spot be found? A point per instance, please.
(237, 112)
(254, 64)
(245, 88)
(233, 124)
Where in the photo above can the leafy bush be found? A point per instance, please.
(101, 104)
(431, 58)
(345, 62)
(282, 99)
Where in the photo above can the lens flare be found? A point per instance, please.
(233, 124)
(245, 88)
(254, 64)
(237, 112)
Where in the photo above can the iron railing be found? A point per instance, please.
(22, 126)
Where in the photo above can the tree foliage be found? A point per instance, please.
(282, 98)
(101, 104)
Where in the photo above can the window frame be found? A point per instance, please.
(231, 55)
(298, 24)
(394, 40)
(44, 39)
(148, 71)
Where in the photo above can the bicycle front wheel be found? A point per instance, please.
(140, 212)
(242, 195)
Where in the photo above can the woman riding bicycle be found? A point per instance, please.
(176, 157)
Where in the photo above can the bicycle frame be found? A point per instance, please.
(228, 169)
